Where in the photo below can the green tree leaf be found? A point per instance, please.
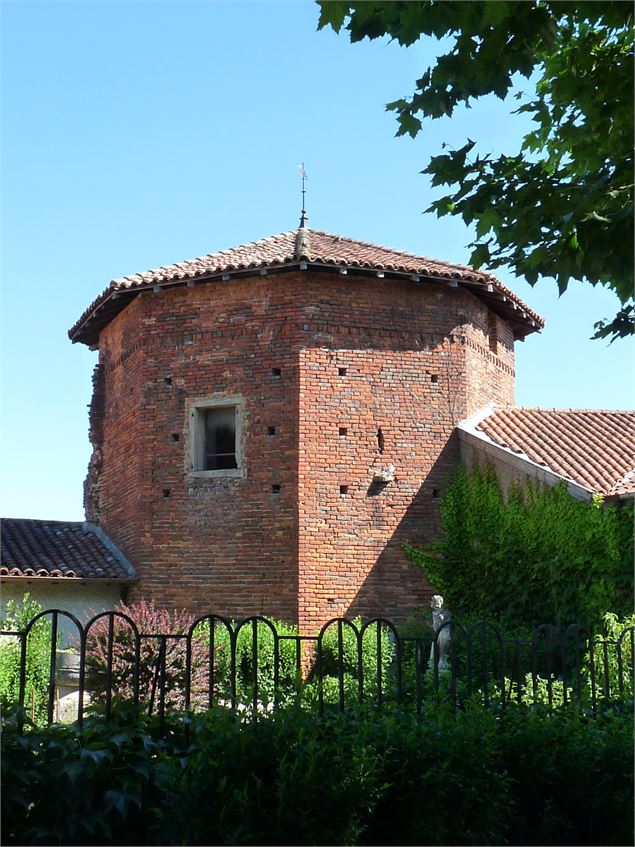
(564, 204)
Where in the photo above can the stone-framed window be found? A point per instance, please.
(216, 427)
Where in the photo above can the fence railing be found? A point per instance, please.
(249, 666)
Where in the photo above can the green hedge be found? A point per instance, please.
(525, 776)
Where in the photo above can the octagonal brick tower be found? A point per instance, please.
(270, 423)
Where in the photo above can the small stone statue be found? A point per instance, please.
(439, 617)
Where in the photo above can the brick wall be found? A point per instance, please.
(416, 359)
(225, 545)
(489, 361)
(114, 493)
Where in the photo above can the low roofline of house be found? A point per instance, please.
(82, 580)
(87, 527)
(469, 434)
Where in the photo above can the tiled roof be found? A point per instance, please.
(59, 549)
(289, 249)
(593, 448)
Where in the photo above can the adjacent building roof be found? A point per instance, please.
(304, 248)
(60, 550)
(592, 448)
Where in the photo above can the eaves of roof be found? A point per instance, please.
(305, 250)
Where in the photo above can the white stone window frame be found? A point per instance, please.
(196, 447)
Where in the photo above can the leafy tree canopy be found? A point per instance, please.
(562, 206)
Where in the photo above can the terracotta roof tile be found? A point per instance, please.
(288, 249)
(56, 549)
(594, 448)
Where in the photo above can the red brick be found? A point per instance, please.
(228, 545)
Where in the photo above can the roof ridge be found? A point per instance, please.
(43, 521)
(291, 232)
(623, 480)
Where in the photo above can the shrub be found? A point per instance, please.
(549, 665)
(364, 662)
(538, 556)
(592, 681)
(262, 670)
(525, 776)
(289, 779)
(571, 778)
(612, 663)
(211, 650)
(255, 672)
(38, 659)
(97, 786)
(443, 780)
(152, 677)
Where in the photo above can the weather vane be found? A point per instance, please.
(303, 216)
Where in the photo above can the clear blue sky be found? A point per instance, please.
(138, 134)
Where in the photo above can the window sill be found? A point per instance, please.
(223, 473)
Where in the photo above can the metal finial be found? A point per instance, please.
(303, 216)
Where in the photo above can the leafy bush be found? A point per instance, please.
(38, 659)
(571, 778)
(538, 556)
(289, 779)
(211, 650)
(612, 662)
(545, 665)
(100, 785)
(255, 671)
(262, 670)
(154, 674)
(595, 680)
(365, 662)
(444, 783)
(364, 777)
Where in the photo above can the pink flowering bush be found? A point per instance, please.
(155, 675)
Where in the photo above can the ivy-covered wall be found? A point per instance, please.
(535, 556)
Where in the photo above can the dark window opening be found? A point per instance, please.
(271, 430)
(275, 489)
(174, 437)
(220, 439)
(434, 378)
(380, 440)
(342, 371)
(167, 380)
(343, 430)
(276, 372)
(343, 489)
(436, 492)
(166, 492)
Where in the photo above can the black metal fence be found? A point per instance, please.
(251, 667)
